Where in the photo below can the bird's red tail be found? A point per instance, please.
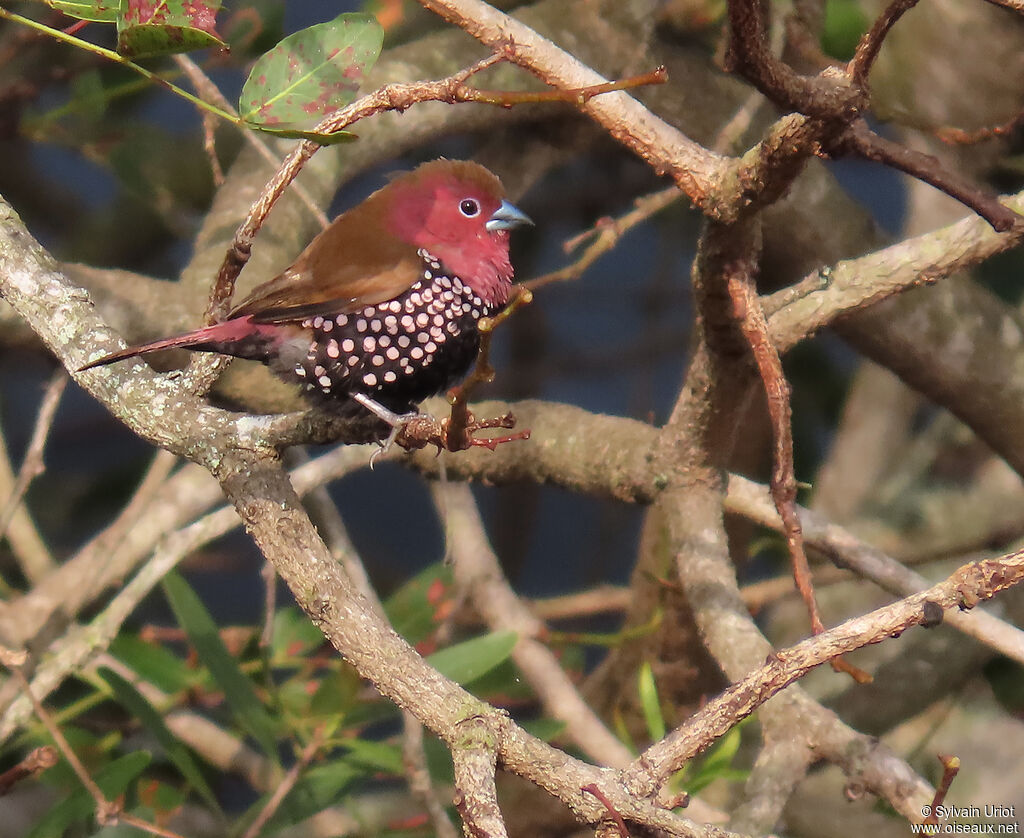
(211, 338)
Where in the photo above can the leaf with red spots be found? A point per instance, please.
(310, 74)
(102, 11)
(159, 27)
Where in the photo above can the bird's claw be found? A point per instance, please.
(397, 421)
(402, 420)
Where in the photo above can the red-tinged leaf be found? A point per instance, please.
(159, 27)
(102, 11)
(310, 74)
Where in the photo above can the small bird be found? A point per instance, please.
(380, 311)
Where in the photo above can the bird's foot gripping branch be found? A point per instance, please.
(447, 435)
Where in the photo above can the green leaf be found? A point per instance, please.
(333, 138)
(374, 756)
(717, 763)
(152, 663)
(319, 788)
(337, 694)
(466, 661)
(650, 703)
(101, 11)
(78, 806)
(294, 636)
(546, 729)
(238, 689)
(417, 607)
(311, 73)
(160, 27)
(136, 704)
(845, 22)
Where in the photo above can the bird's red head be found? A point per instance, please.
(455, 210)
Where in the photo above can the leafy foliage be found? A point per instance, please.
(311, 74)
(158, 27)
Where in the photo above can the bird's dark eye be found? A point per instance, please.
(469, 207)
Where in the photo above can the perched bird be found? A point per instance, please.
(380, 311)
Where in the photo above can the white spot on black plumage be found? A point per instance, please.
(369, 344)
(390, 376)
(391, 324)
(348, 345)
(328, 325)
(428, 275)
(342, 319)
(383, 340)
(318, 322)
(422, 319)
(392, 353)
(353, 360)
(404, 341)
(369, 379)
(376, 325)
(436, 333)
(333, 351)
(318, 370)
(300, 371)
(360, 325)
(407, 322)
(325, 382)
(476, 313)
(438, 319)
(377, 360)
(415, 353)
(431, 347)
(422, 337)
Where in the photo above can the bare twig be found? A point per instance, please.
(287, 783)
(606, 234)
(106, 811)
(479, 572)
(950, 768)
(867, 50)
(965, 588)
(754, 325)
(32, 466)
(208, 91)
(459, 430)
(846, 550)
(476, 796)
(864, 142)
(417, 773)
(613, 813)
(35, 763)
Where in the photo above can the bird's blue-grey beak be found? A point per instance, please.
(506, 217)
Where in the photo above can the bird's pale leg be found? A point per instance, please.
(397, 421)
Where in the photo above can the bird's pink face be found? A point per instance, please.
(449, 218)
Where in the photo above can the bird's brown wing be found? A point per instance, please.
(351, 264)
